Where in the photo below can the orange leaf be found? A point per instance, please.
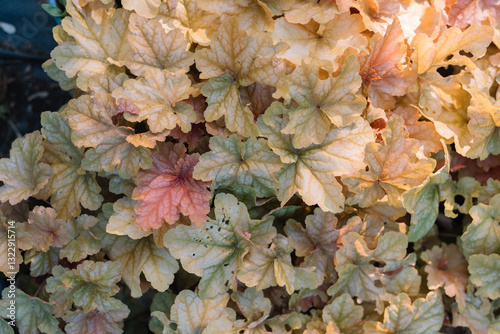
(168, 189)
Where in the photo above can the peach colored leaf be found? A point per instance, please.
(384, 71)
(447, 267)
(233, 60)
(316, 242)
(322, 102)
(91, 119)
(71, 186)
(311, 171)
(422, 131)
(158, 96)
(22, 174)
(168, 189)
(392, 168)
(96, 322)
(153, 47)
(466, 12)
(231, 162)
(46, 230)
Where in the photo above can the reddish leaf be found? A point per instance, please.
(168, 189)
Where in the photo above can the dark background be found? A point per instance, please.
(25, 90)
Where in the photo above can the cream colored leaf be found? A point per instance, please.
(97, 45)
(251, 15)
(485, 271)
(322, 102)
(145, 8)
(153, 47)
(193, 315)
(429, 56)
(215, 251)
(123, 220)
(311, 171)
(159, 95)
(324, 44)
(233, 60)
(23, 175)
(91, 119)
(142, 256)
(195, 23)
(483, 234)
(263, 268)
(424, 316)
(304, 11)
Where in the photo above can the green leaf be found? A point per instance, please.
(345, 314)
(143, 256)
(32, 314)
(485, 273)
(58, 293)
(423, 203)
(54, 11)
(215, 251)
(91, 285)
(424, 316)
(70, 186)
(84, 242)
(41, 262)
(232, 162)
(483, 234)
(22, 174)
(162, 304)
(5, 327)
(357, 274)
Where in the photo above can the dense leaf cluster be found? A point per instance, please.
(262, 166)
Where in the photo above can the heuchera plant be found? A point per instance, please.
(262, 166)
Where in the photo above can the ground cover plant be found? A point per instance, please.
(260, 166)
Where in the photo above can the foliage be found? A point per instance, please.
(261, 166)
